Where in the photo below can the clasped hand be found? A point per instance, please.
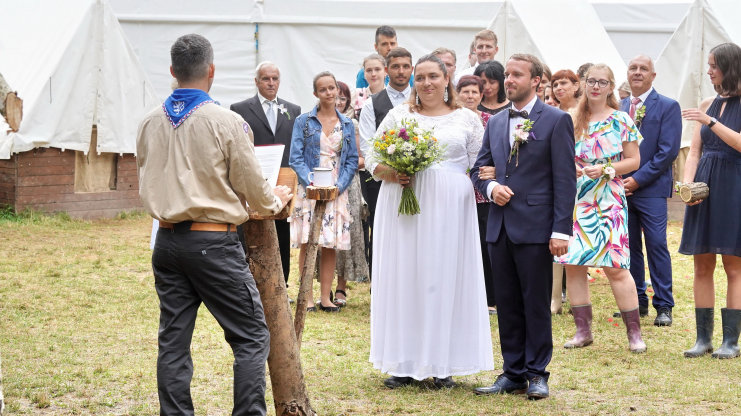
(592, 172)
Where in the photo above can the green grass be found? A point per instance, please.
(78, 328)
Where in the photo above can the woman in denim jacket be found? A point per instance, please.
(323, 138)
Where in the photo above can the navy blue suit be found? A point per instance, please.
(661, 129)
(544, 186)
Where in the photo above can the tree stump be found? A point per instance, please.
(321, 195)
(284, 361)
(693, 191)
(11, 107)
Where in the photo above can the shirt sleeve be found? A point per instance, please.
(367, 129)
(245, 174)
(370, 159)
(630, 133)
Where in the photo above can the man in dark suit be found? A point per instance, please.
(660, 124)
(271, 120)
(529, 223)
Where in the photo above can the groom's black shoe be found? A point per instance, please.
(395, 382)
(538, 388)
(503, 385)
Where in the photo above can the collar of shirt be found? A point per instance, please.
(642, 97)
(264, 102)
(397, 97)
(514, 121)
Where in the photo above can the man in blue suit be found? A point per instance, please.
(660, 121)
(529, 222)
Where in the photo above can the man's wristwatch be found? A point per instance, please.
(713, 120)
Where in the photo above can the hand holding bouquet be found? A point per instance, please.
(408, 149)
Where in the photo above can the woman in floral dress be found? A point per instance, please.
(323, 138)
(606, 147)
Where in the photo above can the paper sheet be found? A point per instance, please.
(270, 157)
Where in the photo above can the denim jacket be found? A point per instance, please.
(307, 131)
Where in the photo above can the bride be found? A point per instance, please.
(428, 302)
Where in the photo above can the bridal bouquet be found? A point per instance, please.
(408, 149)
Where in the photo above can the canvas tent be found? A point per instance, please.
(682, 65)
(525, 26)
(73, 67)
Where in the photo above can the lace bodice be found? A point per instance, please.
(460, 132)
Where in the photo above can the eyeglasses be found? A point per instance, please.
(603, 83)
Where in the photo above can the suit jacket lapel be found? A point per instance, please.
(280, 117)
(502, 129)
(256, 108)
(650, 101)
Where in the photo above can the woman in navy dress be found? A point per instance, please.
(713, 226)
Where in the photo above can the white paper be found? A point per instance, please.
(269, 157)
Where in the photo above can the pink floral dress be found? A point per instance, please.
(601, 212)
(335, 228)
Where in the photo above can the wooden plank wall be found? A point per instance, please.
(7, 181)
(45, 181)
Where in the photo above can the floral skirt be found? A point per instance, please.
(335, 229)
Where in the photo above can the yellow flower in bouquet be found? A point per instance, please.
(408, 149)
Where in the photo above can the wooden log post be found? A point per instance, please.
(284, 361)
(693, 191)
(11, 107)
(321, 195)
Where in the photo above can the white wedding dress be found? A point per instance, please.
(428, 302)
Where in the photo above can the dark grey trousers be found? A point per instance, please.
(191, 267)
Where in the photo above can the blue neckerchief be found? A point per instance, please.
(182, 103)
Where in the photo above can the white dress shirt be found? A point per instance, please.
(467, 71)
(513, 122)
(367, 122)
(642, 97)
(266, 105)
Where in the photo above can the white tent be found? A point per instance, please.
(230, 26)
(526, 26)
(73, 67)
(682, 65)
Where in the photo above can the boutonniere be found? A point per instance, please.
(523, 133)
(640, 113)
(283, 110)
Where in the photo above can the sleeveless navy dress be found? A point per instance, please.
(714, 225)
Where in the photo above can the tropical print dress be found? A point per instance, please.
(600, 236)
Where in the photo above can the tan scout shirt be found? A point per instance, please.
(202, 171)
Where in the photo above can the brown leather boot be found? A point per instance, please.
(583, 320)
(632, 322)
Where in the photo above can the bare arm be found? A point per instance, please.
(693, 157)
(732, 138)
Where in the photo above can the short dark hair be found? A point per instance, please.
(386, 31)
(536, 66)
(467, 80)
(191, 56)
(398, 52)
(728, 60)
(494, 71)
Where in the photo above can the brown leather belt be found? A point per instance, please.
(203, 226)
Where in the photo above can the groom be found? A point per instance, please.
(529, 223)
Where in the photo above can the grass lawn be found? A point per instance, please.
(79, 317)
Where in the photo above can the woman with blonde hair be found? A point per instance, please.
(606, 148)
